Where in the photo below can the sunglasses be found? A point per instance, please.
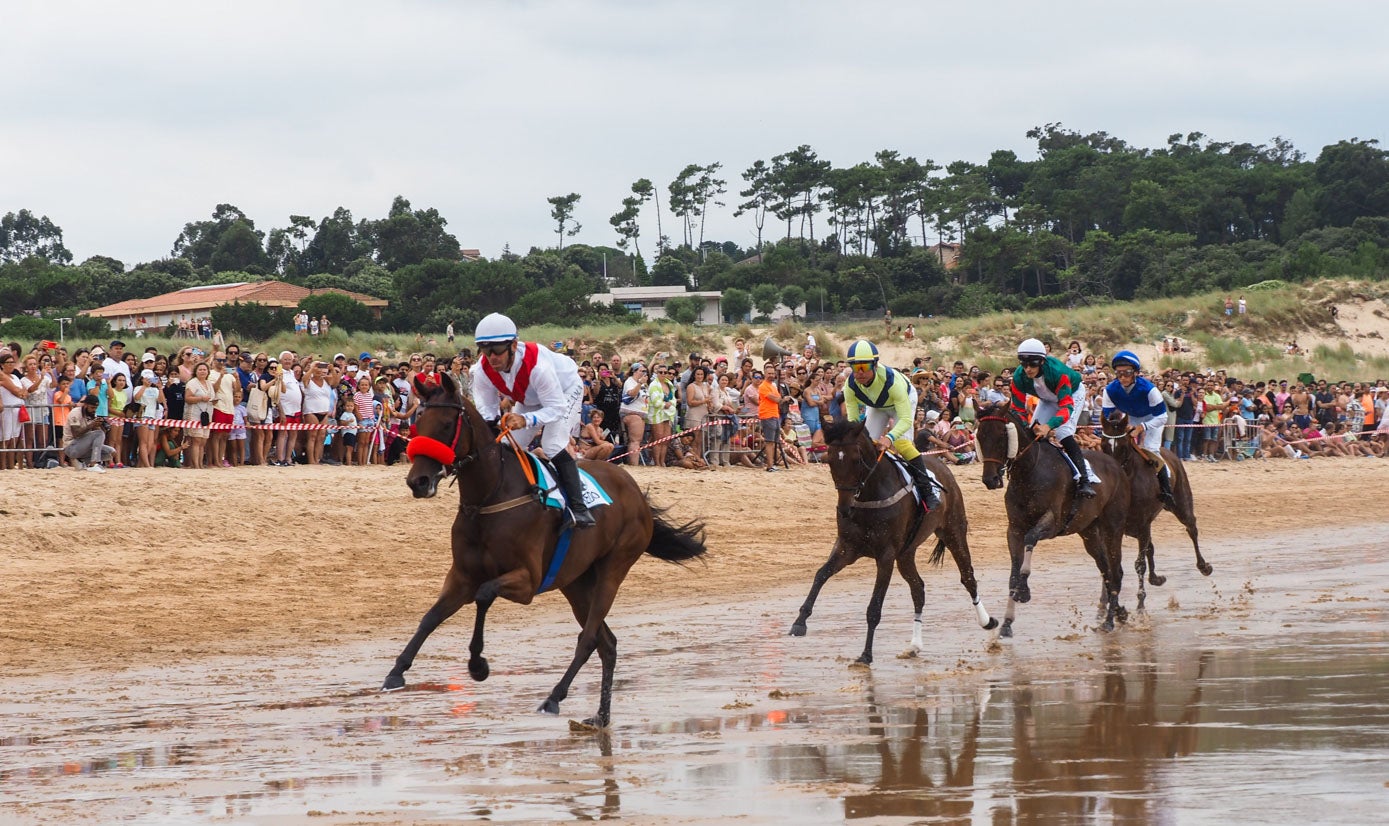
(496, 349)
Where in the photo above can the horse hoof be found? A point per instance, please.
(394, 682)
(1121, 613)
(590, 725)
(1157, 580)
(991, 624)
(1108, 625)
(1205, 569)
(864, 659)
(1023, 593)
(1007, 631)
(548, 707)
(798, 630)
(478, 670)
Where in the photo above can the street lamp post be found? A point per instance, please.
(61, 321)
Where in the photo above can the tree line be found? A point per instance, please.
(1090, 219)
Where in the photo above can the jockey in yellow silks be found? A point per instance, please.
(887, 402)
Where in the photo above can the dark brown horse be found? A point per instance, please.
(1145, 504)
(504, 541)
(879, 518)
(1042, 504)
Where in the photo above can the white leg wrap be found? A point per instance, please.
(916, 632)
(981, 612)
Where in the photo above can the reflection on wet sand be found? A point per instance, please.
(1109, 766)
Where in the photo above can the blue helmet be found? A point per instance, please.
(1124, 357)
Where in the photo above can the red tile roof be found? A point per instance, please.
(202, 299)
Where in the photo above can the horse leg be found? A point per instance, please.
(1140, 567)
(590, 597)
(906, 566)
(1044, 529)
(839, 559)
(875, 607)
(514, 585)
(958, 544)
(1015, 555)
(456, 593)
(1189, 520)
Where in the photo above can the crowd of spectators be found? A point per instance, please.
(106, 407)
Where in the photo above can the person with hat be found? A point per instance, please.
(1139, 399)
(886, 400)
(1060, 396)
(546, 391)
(84, 437)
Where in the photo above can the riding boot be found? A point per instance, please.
(924, 483)
(1165, 483)
(573, 491)
(1072, 449)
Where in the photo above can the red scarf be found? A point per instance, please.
(530, 351)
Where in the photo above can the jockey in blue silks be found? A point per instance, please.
(1137, 397)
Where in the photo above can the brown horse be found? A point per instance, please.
(504, 540)
(879, 518)
(1145, 504)
(1042, 504)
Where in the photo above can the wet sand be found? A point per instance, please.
(137, 691)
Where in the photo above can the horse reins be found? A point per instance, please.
(1009, 461)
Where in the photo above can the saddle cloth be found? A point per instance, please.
(907, 477)
(1089, 471)
(552, 494)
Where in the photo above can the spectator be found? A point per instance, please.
(698, 399)
(634, 412)
(150, 397)
(198, 398)
(769, 415)
(593, 443)
(85, 437)
(660, 412)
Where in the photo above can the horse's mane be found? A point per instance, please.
(842, 431)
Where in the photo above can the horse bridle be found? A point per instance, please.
(870, 467)
(1006, 463)
(444, 454)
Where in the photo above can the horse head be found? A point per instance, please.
(1114, 427)
(444, 437)
(998, 433)
(852, 457)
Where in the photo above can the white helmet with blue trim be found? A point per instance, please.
(495, 327)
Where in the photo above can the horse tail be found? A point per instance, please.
(938, 555)
(675, 543)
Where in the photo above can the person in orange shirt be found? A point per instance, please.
(769, 414)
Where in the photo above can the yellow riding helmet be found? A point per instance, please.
(863, 351)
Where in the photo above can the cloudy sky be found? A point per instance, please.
(122, 121)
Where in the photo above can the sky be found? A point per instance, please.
(124, 121)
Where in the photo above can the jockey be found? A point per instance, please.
(1060, 400)
(889, 399)
(547, 392)
(1143, 403)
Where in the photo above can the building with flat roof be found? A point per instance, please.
(156, 313)
(651, 301)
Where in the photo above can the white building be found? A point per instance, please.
(651, 301)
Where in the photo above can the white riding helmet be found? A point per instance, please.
(1032, 348)
(495, 327)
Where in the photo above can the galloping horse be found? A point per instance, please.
(878, 517)
(1042, 504)
(505, 542)
(1144, 504)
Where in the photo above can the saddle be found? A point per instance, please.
(549, 492)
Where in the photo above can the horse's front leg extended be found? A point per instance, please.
(456, 593)
(1022, 563)
(516, 586)
(875, 607)
(839, 558)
